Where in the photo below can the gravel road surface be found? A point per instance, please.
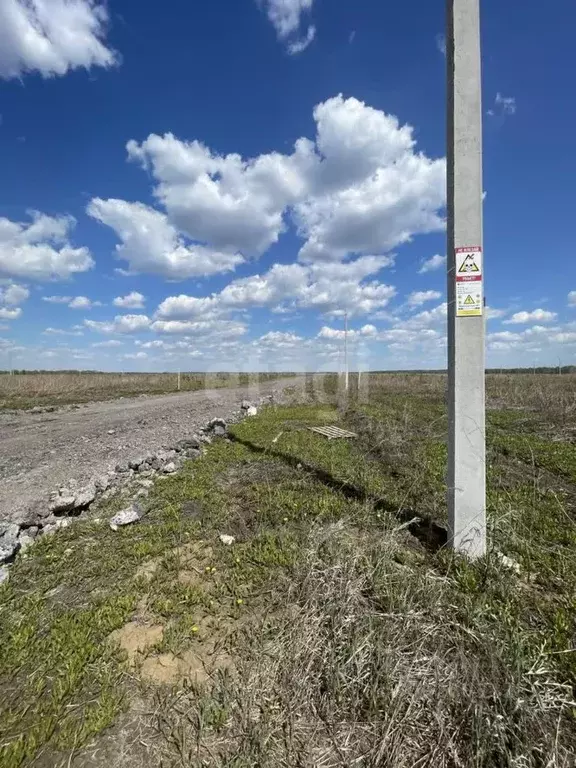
(41, 452)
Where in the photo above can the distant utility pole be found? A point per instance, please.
(346, 351)
(559, 366)
(178, 380)
(466, 363)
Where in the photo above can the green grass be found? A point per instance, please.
(351, 637)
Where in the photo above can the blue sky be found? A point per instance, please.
(211, 185)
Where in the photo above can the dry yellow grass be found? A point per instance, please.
(31, 389)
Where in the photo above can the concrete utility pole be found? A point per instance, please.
(346, 351)
(466, 411)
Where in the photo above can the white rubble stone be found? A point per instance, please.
(126, 516)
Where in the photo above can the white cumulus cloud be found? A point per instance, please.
(537, 315)
(12, 293)
(286, 18)
(430, 318)
(416, 298)
(300, 45)
(74, 302)
(360, 188)
(230, 203)
(494, 314)
(205, 329)
(53, 36)
(432, 264)
(57, 299)
(326, 287)
(280, 339)
(308, 287)
(572, 299)
(184, 307)
(108, 343)
(503, 106)
(133, 300)
(10, 314)
(151, 244)
(40, 250)
(367, 331)
(371, 190)
(83, 302)
(120, 324)
(62, 332)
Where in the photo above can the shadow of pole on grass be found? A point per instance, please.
(431, 535)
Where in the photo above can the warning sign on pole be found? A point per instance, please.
(469, 285)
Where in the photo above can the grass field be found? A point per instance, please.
(337, 630)
(54, 389)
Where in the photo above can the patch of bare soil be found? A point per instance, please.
(147, 570)
(136, 638)
(194, 666)
(132, 742)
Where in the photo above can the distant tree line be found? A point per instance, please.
(532, 370)
(38, 371)
(223, 374)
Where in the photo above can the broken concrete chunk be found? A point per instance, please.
(252, 411)
(169, 468)
(85, 497)
(62, 504)
(8, 529)
(508, 562)
(9, 544)
(25, 541)
(187, 443)
(102, 482)
(226, 539)
(126, 516)
(53, 527)
(216, 424)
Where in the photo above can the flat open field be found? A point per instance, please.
(56, 389)
(336, 630)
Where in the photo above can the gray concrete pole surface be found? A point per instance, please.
(466, 363)
(346, 352)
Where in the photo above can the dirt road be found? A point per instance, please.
(41, 452)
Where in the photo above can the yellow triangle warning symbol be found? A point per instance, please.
(469, 265)
(469, 300)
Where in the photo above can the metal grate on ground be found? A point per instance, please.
(332, 433)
